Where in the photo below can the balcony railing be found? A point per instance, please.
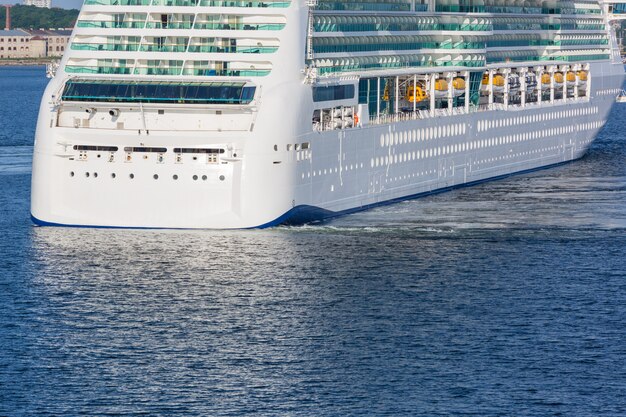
(168, 25)
(80, 69)
(190, 3)
(239, 26)
(163, 48)
(109, 24)
(225, 72)
(105, 47)
(157, 71)
(234, 49)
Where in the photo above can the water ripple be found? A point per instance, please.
(507, 298)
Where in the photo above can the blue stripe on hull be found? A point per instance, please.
(309, 214)
(39, 222)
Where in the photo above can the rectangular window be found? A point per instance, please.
(144, 149)
(334, 92)
(198, 150)
(95, 148)
(158, 92)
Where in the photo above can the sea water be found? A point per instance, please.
(506, 298)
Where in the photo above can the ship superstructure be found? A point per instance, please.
(236, 114)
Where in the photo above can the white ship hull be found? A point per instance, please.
(341, 171)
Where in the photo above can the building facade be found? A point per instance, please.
(38, 3)
(19, 43)
(56, 40)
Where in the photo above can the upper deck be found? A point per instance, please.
(226, 40)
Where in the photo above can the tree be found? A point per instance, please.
(31, 17)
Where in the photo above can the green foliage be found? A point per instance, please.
(31, 17)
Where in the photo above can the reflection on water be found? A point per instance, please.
(330, 320)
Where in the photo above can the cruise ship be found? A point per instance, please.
(253, 113)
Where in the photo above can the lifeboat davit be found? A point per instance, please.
(514, 84)
(531, 83)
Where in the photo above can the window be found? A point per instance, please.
(199, 150)
(144, 149)
(95, 148)
(164, 92)
(335, 92)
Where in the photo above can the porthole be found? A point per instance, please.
(87, 174)
(195, 177)
(175, 177)
(71, 173)
(155, 176)
(222, 178)
(131, 176)
(204, 177)
(113, 175)
(95, 175)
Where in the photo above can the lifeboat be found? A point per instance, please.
(498, 83)
(415, 93)
(441, 88)
(484, 84)
(459, 86)
(570, 78)
(546, 79)
(582, 77)
(558, 79)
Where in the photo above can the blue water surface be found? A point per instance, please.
(503, 299)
